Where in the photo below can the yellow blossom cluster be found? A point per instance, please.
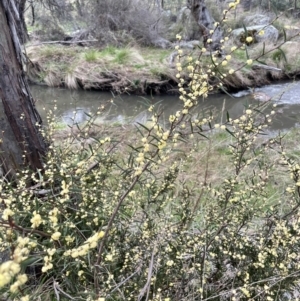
(36, 220)
(10, 270)
(233, 5)
(90, 243)
(48, 260)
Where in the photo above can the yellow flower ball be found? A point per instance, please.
(56, 236)
(249, 39)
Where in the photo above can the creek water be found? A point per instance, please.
(132, 108)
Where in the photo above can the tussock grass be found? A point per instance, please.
(109, 50)
(91, 55)
(53, 52)
(52, 79)
(122, 56)
(71, 81)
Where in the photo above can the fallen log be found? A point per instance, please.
(266, 67)
(62, 42)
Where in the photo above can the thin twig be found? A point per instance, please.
(125, 280)
(13, 225)
(146, 288)
(56, 286)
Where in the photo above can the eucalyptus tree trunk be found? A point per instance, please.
(19, 120)
(206, 23)
(21, 25)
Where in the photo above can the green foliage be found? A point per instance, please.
(160, 72)
(139, 66)
(240, 54)
(109, 50)
(50, 51)
(122, 56)
(91, 55)
(279, 56)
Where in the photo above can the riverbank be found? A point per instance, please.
(137, 70)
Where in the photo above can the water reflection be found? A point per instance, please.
(134, 108)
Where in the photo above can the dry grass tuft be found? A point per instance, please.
(52, 79)
(71, 81)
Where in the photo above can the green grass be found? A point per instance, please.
(53, 51)
(118, 55)
(50, 51)
(155, 54)
(140, 66)
(59, 125)
(240, 54)
(163, 55)
(155, 71)
(109, 50)
(122, 56)
(160, 71)
(91, 55)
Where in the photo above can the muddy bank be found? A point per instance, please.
(257, 78)
(136, 70)
(117, 83)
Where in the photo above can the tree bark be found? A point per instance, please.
(21, 143)
(21, 25)
(206, 23)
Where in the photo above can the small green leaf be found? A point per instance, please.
(261, 62)
(30, 261)
(143, 126)
(283, 54)
(247, 54)
(230, 132)
(224, 90)
(246, 31)
(284, 35)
